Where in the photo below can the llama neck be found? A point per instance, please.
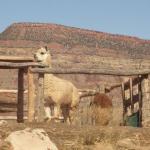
(48, 76)
(48, 81)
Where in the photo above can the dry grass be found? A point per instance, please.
(92, 115)
(87, 137)
(100, 116)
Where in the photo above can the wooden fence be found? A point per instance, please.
(24, 65)
(132, 97)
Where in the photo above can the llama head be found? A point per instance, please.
(43, 56)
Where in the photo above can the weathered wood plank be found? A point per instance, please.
(16, 58)
(124, 106)
(11, 91)
(10, 117)
(87, 94)
(20, 103)
(131, 95)
(6, 65)
(31, 96)
(135, 81)
(40, 99)
(140, 102)
(135, 100)
(107, 71)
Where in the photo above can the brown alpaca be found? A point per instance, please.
(101, 107)
(102, 100)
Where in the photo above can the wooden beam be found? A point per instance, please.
(6, 65)
(16, 58)
(135, 81)
(140, 102)
(11, 91)
(124, 106)
(31, 96)
(87, 94)
(114, 86)
(131, 95)
(135, 100)
(9, 117)
(20, 103)
(40, 98)
(107, 71)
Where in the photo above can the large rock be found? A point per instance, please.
(28, 139)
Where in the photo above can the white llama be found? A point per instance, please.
(57, 92)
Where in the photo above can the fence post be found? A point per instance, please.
(20, 102)
(124, 104)
(31, 96)
(145, 88)
(140, 102)
(131, 96)
(40, 98)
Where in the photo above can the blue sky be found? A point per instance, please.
(127, 17)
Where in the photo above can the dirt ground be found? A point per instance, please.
(68, 137)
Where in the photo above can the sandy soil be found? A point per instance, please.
(68, 137)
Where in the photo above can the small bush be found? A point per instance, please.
(88, 139)
(100, 116)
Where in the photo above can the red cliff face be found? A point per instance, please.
(69, 40)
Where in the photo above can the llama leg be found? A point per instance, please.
(71, 116)
(52, 110)
(65, 113)
(58, 112)
(47, 112)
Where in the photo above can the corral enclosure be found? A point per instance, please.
(8, 95)
(121, 106)
(75, 48)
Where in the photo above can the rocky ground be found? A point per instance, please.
(85, 137)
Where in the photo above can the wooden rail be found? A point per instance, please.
(11, 65)
(26, 64)
(16, 59)
(22, 64)
(10, 91)
(102, 71)
(114, 71)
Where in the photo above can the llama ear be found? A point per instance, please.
(46, 48)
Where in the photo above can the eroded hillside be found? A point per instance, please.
(73, 40)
